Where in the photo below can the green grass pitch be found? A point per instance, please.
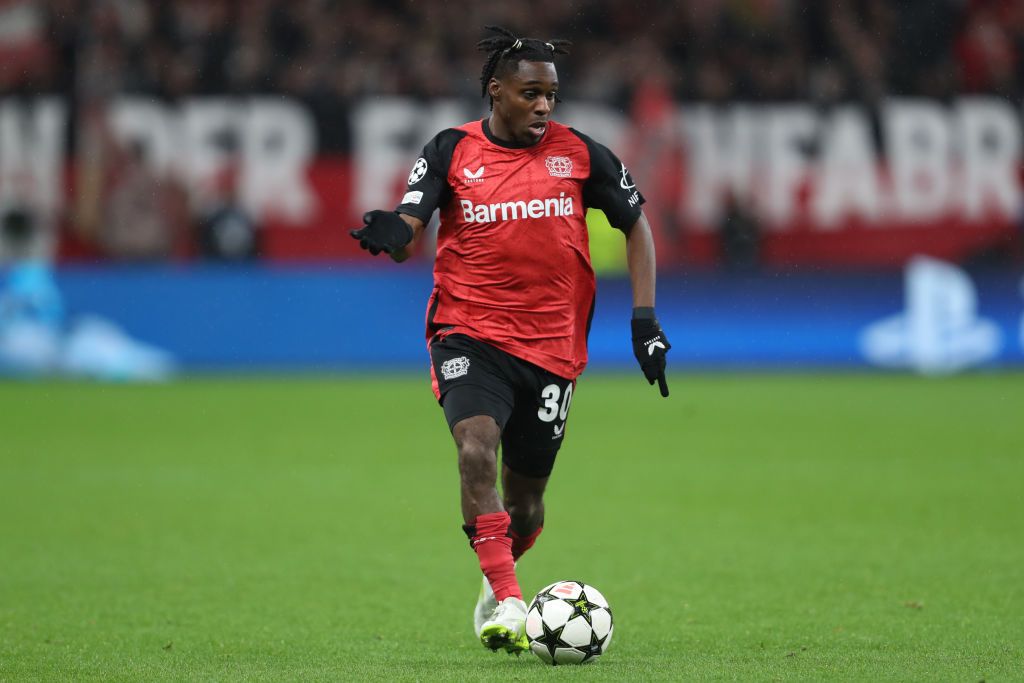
(751, 527)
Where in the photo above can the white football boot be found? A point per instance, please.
(485, 604)
(506, 627)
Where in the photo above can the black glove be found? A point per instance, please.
(384, 231)
(650, 346)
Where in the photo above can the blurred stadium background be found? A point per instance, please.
(836, 189)
(832, 184)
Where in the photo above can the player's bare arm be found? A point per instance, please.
(649, 341)
(640, 258)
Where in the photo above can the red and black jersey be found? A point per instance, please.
(513, 257)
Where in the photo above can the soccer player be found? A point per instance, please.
(513, 297)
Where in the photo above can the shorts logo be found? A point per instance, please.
(559, 431)
(419, 169)
(559, 167)
(455, 367)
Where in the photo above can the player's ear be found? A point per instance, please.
(494, 89)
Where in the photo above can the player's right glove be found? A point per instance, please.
(650, 346)
(384, 231)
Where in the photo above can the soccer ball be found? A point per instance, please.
(569, 622)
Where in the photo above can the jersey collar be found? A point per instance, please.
(504, 143)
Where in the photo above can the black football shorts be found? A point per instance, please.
(529, 403)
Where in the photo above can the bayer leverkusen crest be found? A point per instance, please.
(559, 167)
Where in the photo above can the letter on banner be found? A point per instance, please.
(848, 177)
(788, 128)
(389, 134)
(719, 147)
(206, 126)
(149, 123)
(918, 144)
(278, 146)
(990, 135)
(32, 152)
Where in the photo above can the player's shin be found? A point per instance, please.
(489, 537)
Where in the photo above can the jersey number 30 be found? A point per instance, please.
(550, 410)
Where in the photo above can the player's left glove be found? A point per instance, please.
(650, 346)
(384, 231)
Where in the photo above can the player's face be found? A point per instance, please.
(523, 102)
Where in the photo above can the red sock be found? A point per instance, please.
(520, 544)
(489, 538)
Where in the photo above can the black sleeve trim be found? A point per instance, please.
(610, 187)
(427, 188)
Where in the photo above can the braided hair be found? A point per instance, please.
(505, 51)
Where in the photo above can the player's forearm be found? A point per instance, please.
(641, 262)
(417, 226)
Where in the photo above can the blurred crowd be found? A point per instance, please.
(638, 56)
(335, 50)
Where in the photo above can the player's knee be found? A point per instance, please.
(475, 455)
(477, 434)
(527, 512)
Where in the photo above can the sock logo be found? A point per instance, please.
(478, 541)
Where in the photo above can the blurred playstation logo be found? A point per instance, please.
(940, 331)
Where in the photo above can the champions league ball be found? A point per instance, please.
(569, 622)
